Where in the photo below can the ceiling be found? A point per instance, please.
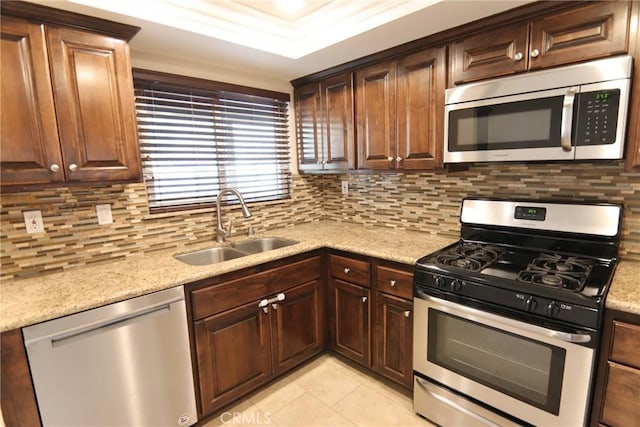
(256, 38)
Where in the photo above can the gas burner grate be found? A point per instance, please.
(557, 271)
(470, 256)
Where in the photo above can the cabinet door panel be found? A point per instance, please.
(94, 100)
(350, 320)
(586, 33)
(337, 102)
(421, 81)
(297, 326)
(376, 116)
(30, 143)
(622, 395)
(233, 354)
(394, 335)
(490, 54)
(309, 127)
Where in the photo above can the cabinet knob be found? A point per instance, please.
(518, 56)
(364, 299)
(398, 159)
(392, 283)
(54, 167)
(407, 313)
(347, 270)
(73, 167)
(390, 158)
(535, 53)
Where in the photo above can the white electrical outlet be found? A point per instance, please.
(104, 214)
(33, 222)
(345, 187)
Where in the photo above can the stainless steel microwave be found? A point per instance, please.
(577, 112)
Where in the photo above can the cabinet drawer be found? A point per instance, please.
(349, 269)
(626, 344)
(395, 282)
(216, 298)
(622, 396)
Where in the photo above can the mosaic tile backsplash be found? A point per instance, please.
(427, 202)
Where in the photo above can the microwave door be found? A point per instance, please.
(599, 120)
(525, 127)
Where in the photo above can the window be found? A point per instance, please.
(198, 136)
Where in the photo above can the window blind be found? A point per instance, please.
(196, 141)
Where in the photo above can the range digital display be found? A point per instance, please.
(530, 213)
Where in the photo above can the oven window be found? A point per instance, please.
(533, 123)
(528, 370)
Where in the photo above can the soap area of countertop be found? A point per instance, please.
(32, 300)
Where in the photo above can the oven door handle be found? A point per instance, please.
(425, 386)
(479, 315)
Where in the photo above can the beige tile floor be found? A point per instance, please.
(325, 392)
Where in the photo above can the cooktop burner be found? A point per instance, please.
(470, 256)
(557, 271)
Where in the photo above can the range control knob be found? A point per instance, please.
(553, 309)
(455, 285)
(439, 281)
(530, 304)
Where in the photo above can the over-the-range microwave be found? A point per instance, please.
(576, 112)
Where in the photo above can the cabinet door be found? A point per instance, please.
(337, 104)
(421, 83)
(233, 354)
(30, 144)
(394, 335)
(489, 54)
(589, 32)
(622, 395)
(297, 326)
(376, 116)
(350, 321)
(95, 105)
(309, 127)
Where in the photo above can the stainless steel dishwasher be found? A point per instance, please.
(124, 364)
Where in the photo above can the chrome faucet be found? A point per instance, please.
(221, 232)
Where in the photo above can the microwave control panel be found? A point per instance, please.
(597, 117)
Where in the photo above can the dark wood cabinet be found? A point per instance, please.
(350, 320)
(617, 390)
(633, 131)
(244, 335)
(324, 123)
(400, 112)
(67, 106)
(576, 34)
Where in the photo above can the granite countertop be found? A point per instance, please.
(32, 300)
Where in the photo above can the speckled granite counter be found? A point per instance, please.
(27, 301)
(624, 294)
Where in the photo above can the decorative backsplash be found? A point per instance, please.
(427, 202)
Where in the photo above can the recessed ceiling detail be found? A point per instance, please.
(261, 24)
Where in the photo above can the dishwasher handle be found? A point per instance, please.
(109, 325)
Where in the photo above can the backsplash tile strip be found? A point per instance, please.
(428, 202)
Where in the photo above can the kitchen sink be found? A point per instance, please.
(225, 253)
(263, 244)
(210, 256)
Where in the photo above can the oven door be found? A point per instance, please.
(535, 374)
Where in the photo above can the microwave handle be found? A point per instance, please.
(567, 118)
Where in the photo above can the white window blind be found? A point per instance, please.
(194, 141)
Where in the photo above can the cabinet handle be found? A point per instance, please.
(347, 270)
(390, 158)
(364, 299)
(392, 283)
(407, 313)
(275, 306)
(54, 167)
(264, 305)
(73, 167)
(398, 159)
(518, 56)
(535, 53)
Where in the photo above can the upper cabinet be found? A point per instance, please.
(324, 122)
(633, 132)
(588, 32)
(67, 104)
(399, 112)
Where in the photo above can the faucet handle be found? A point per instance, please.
(229, 227)
(251, 232)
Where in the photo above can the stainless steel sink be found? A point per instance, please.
(210, 256)
(225, 253)
(263, 244)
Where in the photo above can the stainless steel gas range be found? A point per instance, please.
(507, 320)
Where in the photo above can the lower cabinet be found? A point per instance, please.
(350, 325)
(249, 328)
(394, 339)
